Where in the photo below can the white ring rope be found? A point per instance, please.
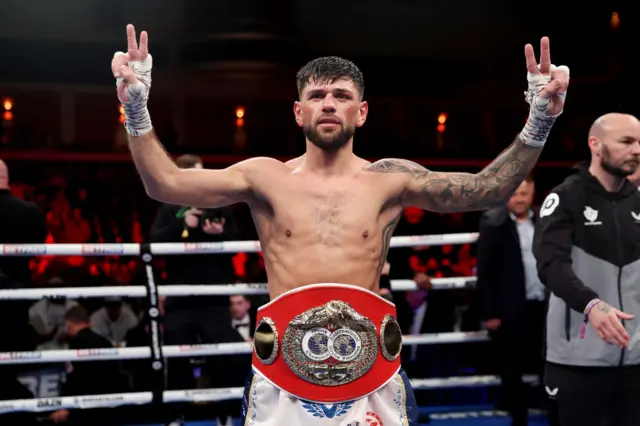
(131, 249)
(194, 289)
(209, 395)
(176, 351)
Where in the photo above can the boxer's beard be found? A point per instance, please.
(615, 170)
(330, 142)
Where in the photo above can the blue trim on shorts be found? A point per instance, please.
(412, 406)
(245, 397)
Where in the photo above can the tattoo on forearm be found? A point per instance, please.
(387, 232)
(455, 192)
(604, 307)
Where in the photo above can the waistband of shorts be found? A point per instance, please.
(327, 343)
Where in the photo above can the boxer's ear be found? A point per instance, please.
(297, 112)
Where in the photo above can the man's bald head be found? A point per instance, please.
(4, 175)
(614, 140)
(611, 122)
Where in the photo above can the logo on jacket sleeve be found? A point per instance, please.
(551, 392)
(636, 216)
(549, 205)
(591, 215)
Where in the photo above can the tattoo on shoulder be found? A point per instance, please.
(394, 165)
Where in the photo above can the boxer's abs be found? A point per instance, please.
(292, 268)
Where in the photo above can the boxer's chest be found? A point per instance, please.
(344, 211)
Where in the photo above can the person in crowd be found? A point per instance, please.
(512, 298)
(196, 320)
(88, 378)
(114, 320)
(21, 222)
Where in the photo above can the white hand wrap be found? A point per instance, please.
(138, 120)
(539, 124)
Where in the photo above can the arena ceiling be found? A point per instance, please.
(72, 40)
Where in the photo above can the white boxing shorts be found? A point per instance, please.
(264, 404)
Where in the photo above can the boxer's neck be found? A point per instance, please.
(328, 163)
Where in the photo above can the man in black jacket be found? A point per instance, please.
(187, 224)
(21, 222)
(89, 378)
(513, 299)
(587, 246)
(196, 320)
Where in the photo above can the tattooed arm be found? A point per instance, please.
(456, 192)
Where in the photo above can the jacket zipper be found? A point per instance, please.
(620, 259)
(567, 323)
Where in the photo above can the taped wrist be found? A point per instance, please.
(539, 124)
(137, 117)
(537, 129)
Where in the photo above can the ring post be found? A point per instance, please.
(157, 357)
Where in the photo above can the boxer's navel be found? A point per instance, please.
(365, 234)
(288, 233)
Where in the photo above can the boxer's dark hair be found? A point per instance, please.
(327, 70)
(77, 315)
(188, 161)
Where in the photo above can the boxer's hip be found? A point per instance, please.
(327, 343)
(266, 405)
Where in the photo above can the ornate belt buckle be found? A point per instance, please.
(330, 345)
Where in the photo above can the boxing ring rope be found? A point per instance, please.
(106, 354)
(207, 395)
(194, 289)
(200, 248)
(158, 353)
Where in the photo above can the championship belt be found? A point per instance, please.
(327, 343)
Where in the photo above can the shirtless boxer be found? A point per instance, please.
(327, 217)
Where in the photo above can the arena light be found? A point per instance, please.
(7, 103)
(7, 116)
(240, 122)
(122, 118)
(441, 128)
(442, 118)
(614, 21)
(240, 112)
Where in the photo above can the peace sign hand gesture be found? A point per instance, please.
(547, 83)
(132, 71)
(546, 94)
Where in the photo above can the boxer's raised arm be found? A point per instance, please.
(457, 192)
(166, 182)
(163, 180)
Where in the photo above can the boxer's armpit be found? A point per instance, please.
(457, 192)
